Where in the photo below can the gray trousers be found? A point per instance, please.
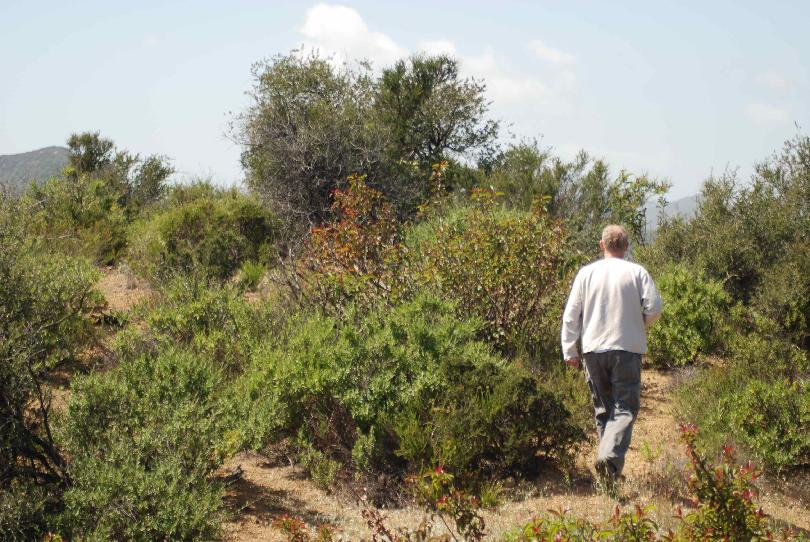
(614, 378)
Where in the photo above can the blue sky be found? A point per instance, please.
(675, 89)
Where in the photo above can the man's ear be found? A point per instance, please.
(601, 245)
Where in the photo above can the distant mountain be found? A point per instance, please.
(686, 207)
(17, 171)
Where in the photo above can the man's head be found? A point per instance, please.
(614, 241)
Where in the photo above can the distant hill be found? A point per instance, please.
(685, 207)
(17, 171)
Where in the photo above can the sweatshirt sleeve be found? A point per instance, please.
(572, 320)
(651, 303)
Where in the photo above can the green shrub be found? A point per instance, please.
(412, 383)
(507, 268)
(694, 309)
(143, 440)
(25, 511)
(773, 421)
(213, 321)
(82, 216)
(711, 396)
(45, 301)
(208, 233)
(251, 274)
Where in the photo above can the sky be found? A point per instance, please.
(677, 90)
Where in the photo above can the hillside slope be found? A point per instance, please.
(18, 170)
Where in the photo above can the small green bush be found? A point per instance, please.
(411, 384)
(143, 440)
(712, 396)
(24, 511)
(207, 233)
(773, 421)
(82, 217)
(694, 310)
(251, 274)
(213, 321)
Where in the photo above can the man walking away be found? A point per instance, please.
(612, 303)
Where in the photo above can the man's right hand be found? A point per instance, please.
(573, 363)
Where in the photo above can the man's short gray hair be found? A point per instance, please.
(615, 238)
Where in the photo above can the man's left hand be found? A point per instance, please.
(573, 363)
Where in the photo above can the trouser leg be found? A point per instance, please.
(597, 376)
(625, 385)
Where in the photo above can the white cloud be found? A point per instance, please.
(504, 88)
(550, 54)
(766, 114)
(151, 40)
(341, 31)
(773, 81)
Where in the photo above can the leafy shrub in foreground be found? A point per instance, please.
(143, 440)
(694, 308)
(412, 383)
(45, 301)
(209, 234)
(773, 420)
(712, 396)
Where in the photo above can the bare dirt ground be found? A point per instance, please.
(653, 468)
(122, 289)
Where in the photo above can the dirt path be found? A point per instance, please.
(654, 464)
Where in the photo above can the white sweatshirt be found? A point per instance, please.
(610, 303)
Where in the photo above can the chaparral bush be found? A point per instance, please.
(143, 440)
(507, 268)
(753, 238)
(399, 389)
(724, 399)
(694, 310)
(45, 301)
(213, 321)
(773, 421)
(203, 232)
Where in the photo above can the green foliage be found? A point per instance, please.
(719, 400)
(82, 215)
(581, 192)
(251, 274)
(773, 421)
(754, 238)
(24, 511)
(143, 440)
(87, 208)
(209, 235)
(311, 125)
(137, 182)
(45, 301)
(505, 267)
(215, 321)
(412, 382)
(694, 310)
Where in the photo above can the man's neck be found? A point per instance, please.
(619, 255)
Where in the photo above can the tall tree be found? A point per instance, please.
(310, 125)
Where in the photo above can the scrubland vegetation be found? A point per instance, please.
(381, 306)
